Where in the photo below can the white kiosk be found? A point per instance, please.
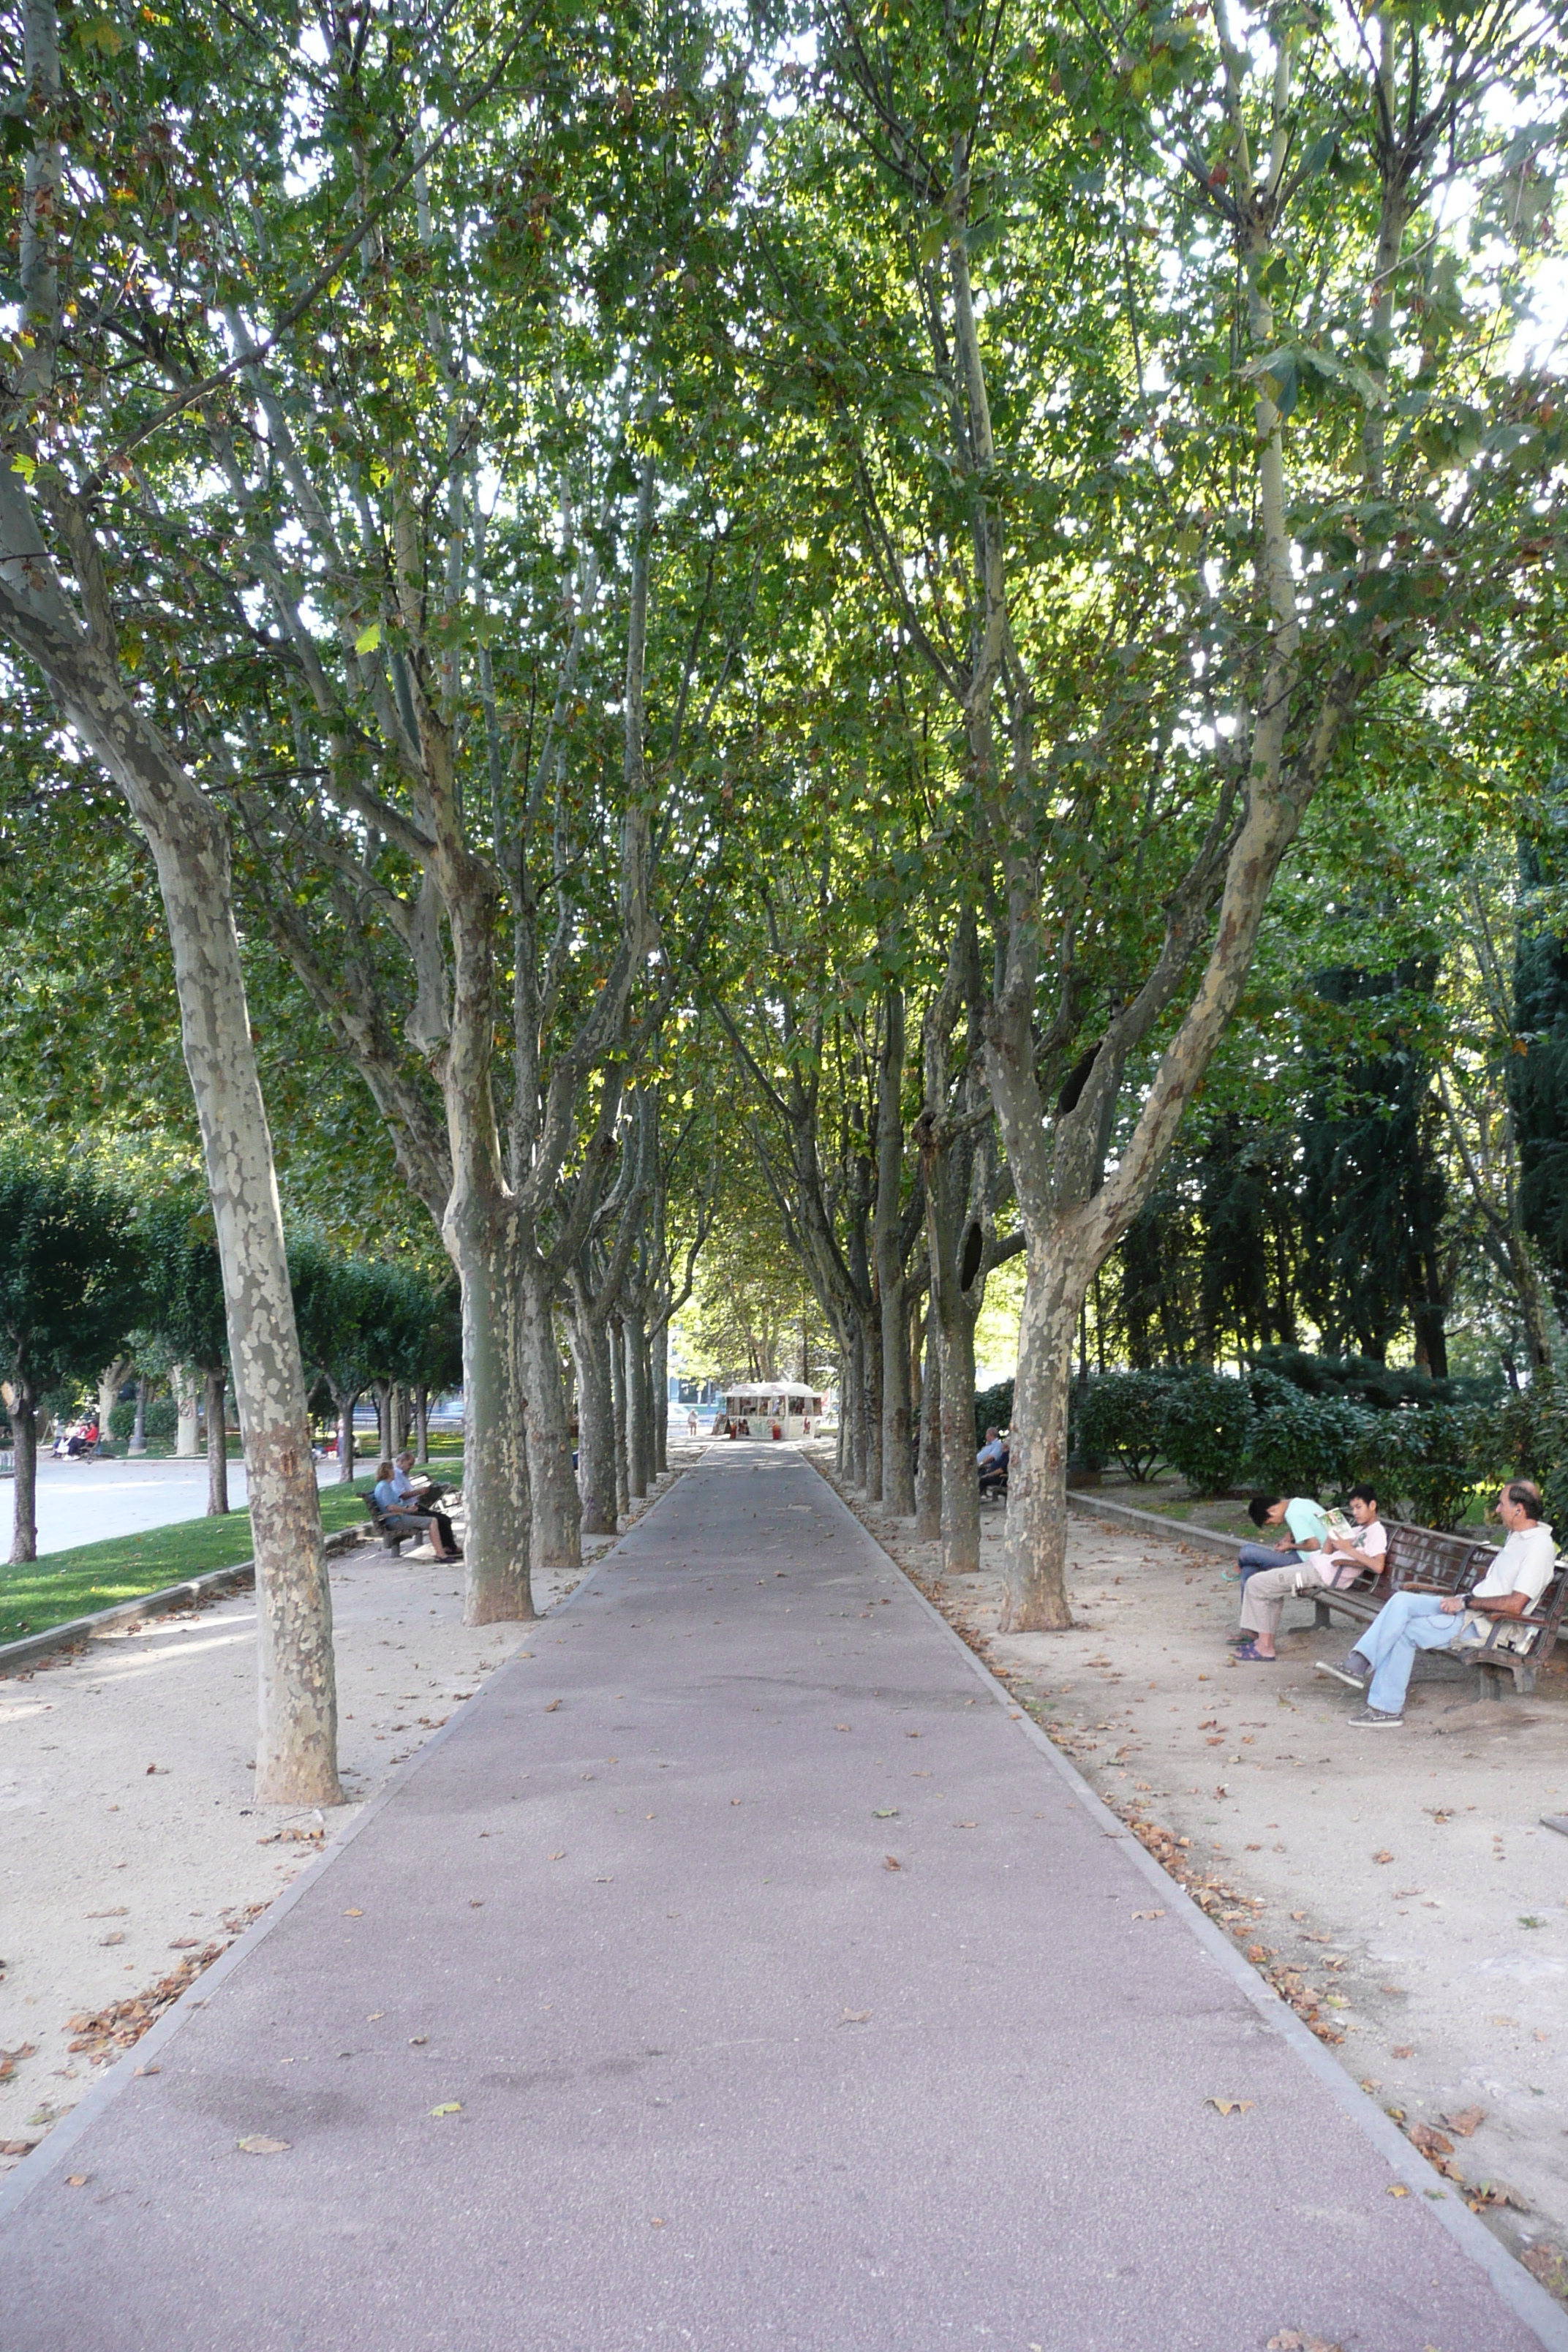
(780, 1409)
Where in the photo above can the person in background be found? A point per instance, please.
(403, 1513)
(423, 1494)
(1265, 1591)
(1514, 1582)
(991, 1462)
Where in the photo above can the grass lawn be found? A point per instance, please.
(65, 1584)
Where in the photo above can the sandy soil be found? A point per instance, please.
(1397, 1886)
(130, 1848)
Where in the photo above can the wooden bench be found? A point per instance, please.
(1426, 1558)
(393, 1537)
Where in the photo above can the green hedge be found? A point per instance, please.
(1205, 1424)
(163, 1418)
(1124, 1414)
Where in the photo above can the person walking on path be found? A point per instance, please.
(1265, 1591)
(1516, 1580)
(403, 1513)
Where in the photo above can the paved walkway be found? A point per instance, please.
(715, 2072)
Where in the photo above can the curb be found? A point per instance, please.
(1153, 1523)
(151, 1604)
(1528, 2301)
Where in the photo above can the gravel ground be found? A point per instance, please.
(131, 1847)
(1402, 1880)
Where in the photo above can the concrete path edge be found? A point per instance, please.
(49, 2154)
(1528, 2301)
(168, 1597)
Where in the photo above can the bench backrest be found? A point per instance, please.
(1426, 1556)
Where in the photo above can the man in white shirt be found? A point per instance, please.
(1429, 1621)
(1265, 1591)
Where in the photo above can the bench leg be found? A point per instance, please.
(1321, 1615)
(1491, 1682)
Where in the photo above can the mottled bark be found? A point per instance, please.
(618, 1414)
(482, 1240)
(557, 1512)
(898, 1489)
(187, 1405)
(422, 1427)
(218, 1444)
(929, 1483)
(24, 1413)
(595, 1421)
(638, 1412)
(658, 1388)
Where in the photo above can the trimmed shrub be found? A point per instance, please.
(1123, 1414)
(1205, 1428)
(993, 1410)
(163, 1418)
(1309, 1446)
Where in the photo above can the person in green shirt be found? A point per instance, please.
(1305, 1529)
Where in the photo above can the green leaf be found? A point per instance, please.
(368, 638)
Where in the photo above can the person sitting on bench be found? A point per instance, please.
(404, 1517)
(1306, 1530)
(991, 1461)
(1265, 1591)
(1429, 1621)
(419, 1494)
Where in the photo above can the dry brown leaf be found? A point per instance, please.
(891, 1862)
(844, 1727)
(76, 2180)
(1399, 2189)
(1147, 1914)
(1467, 2122)
(560, 1854)
(552, 1707)
(353, 1915)
(115, 1938)
(1383, 1854)
(1291, 2339)
(1405, 2050)
(1430, 2141)
(855, 2017)
(1229, 2106)
(257, 2144)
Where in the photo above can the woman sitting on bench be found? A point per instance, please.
(404, 1517)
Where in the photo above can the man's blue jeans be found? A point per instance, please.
(1252, 1556)
(1410, 1622)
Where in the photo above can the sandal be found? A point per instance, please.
(1252, 1656)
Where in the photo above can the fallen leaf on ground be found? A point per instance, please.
(885, 1814)
(120, 1911)
(353, 1915)
(180, 1943)
(149, 2070)
(448, 2107)
(1467, 2122)
(891, 1862)
(560, 1854)
(855, 2017)
(1147, 1914)
(1290, 2339)
(552, 1707)
(1405, 2050)
(257, 2144)
(17, 2147)
(115, 1938)
(1399, 2189)
(417, 2041)
(1383, 1854)
(76, 2180)
(657, 2221)
(1230, 2106)
(475, 1902)
(1430, 2141)
(844, 1727)
(1403, 1893)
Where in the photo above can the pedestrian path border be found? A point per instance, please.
(30, 1647)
